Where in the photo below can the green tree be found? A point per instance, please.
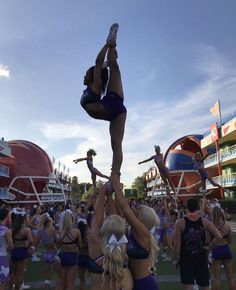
(139, 186)
(78, 189)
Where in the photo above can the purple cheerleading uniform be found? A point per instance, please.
(160, 228)
(148, 282)
(49, 256)
(112, 103)
(35, 223)
(222, 252)
(158, 159)
(4, 264)
(84, 261)
(69, 258)
(135, 251)
(90, 166)
(198, 165)
(19, 253)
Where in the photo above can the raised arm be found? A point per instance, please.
(111, 207)
(146, 160)
(215, 234)
(99, 210)
(80, 159)
(139, 230)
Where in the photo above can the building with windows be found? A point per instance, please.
(218, 146)
(223, 139)
(5, 153)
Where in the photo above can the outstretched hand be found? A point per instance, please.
(75, 161)
(115, 180)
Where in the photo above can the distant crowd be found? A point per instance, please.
(117, 241)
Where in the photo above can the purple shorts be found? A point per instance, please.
(4, 269)
(113, 105)
(50, 257)
(169, 231)
(19, 254)
(148, 283)
(69, 259)
(222, 253)
(84, 261)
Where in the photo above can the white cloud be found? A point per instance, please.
(4, 71)
(151, 123)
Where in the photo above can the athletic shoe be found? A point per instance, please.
(35, 259)
(113, 32)
(163, 255)
(167, 259)
(24, 286)
(227, 191)
(201, 190)
(109, 187)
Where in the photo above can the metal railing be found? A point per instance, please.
(225, 180)
(211, 160)
(48, 195)
(225, 155)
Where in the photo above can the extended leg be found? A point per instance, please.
(117, 126)
(211, 180)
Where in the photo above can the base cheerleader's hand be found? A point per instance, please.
(115, 180)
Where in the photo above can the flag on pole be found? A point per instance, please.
(215, 110)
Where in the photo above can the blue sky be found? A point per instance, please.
(177, 58)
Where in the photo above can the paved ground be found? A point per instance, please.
(160, 278)
(232, 225)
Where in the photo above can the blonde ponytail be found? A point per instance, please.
(113, 265)
(115, 257)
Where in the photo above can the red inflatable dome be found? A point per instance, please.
(29, 160)
(178, 158)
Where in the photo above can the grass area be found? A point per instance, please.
(233, 217)
(35, 272)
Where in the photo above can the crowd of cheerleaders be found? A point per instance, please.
(116, 241)
(113, 239)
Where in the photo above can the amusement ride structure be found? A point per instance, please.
(27, 175)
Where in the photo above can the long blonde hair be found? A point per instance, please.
(149, 218)
(67, 222)
(115, 259)
(45, 220)
(217, 216)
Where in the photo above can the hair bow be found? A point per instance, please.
(152, 230)
(82, 220)
(113, 242)
(48, 215)
(69, 211)
(216, 205)
(19, 211)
